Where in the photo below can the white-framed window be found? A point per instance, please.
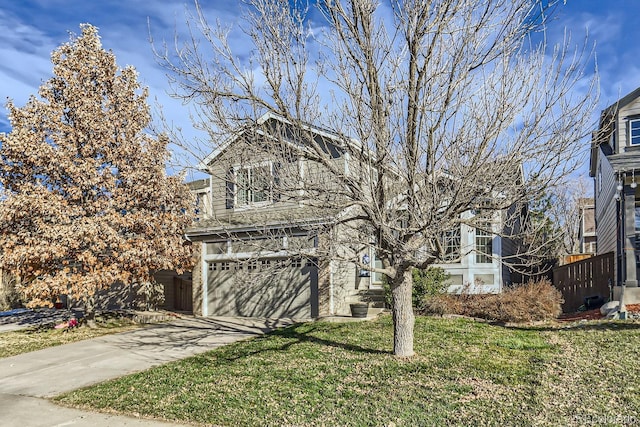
(634, 131)
(254, 184)
(451, 244)
(484, 244)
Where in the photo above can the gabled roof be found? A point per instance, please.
(621, 103)
(604, 127)
(339, 139)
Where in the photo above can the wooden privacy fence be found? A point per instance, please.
(585, 278)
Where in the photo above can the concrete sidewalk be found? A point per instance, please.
(49, 372)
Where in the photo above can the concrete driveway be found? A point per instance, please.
(28, 378)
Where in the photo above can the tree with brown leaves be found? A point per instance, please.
(87, 202)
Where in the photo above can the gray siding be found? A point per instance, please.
(289, 190)
(605, 206)
(234, 158)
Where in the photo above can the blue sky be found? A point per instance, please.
(31, 29)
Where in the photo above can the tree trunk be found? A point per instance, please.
(403, 317)
(90, 311)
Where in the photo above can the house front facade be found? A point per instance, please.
(266, 250)
(615, 167)
(262, 244)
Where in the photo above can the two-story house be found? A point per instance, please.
(267, 250)
(614, 164)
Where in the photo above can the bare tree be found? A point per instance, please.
(453, 112)
(566, 201)
(86, 200)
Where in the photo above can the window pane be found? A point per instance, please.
(634, 126)
(261, 183)
(484, 279)
(451, 245)
(243, 186)
(484, 244)
(254, 184)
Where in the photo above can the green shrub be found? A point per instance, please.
(529, 302)
(426, 284)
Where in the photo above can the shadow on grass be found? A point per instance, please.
(302, 337)
(300, 334)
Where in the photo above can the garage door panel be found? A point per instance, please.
(221, 291)
(277, 293)
(273, 288)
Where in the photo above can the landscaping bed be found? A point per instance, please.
(594, 314)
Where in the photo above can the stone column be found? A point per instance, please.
(629, 243)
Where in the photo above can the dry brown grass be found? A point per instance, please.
(529, 302)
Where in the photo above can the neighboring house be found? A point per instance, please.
(263, 246)
(614, 164)
(587, 231)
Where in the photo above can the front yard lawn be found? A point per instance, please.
(26, 340)
(465, 373)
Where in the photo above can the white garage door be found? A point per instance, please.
(272, 288)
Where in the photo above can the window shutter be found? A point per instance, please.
(230, 189)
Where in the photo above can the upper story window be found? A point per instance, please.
(254, 184)
(634, 130)
(251, 185)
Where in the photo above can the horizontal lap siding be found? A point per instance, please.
(606, 208)
(219, 172)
